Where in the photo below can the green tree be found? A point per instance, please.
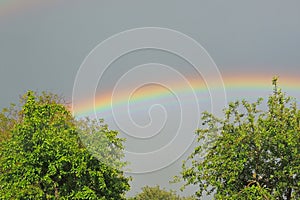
(8, 118)
(12, 115)
(156, 193)
(44, 158)
(251, 153)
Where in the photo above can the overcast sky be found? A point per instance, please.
(43, 43)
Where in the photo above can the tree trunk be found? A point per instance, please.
(56, 192)
(289, 194)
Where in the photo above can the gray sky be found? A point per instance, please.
(42, 44)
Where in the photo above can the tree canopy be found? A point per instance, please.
(156, 193)
(252, 153)
(43, 156)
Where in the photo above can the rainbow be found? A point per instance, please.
(103, 102)
(260, 82)
(233, 83)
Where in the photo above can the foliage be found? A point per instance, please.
(12, 115)
(8, 118)
(44, 158)
(250, 154)
(101, 142)
(156, 193)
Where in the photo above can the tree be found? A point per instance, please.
(12, 115)
(251, 153)
(156, 193)
(44, 158)
(8, 118)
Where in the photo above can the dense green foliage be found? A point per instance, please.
(251, 153)
(42, 156)
(156, 193)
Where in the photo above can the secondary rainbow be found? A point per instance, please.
(11, 8)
